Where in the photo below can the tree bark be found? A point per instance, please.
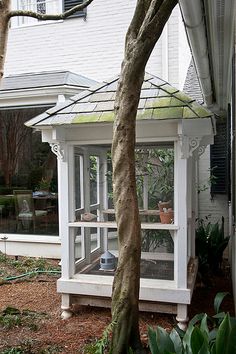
(4, 27)
(146, 27)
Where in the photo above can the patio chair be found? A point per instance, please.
(26, 215)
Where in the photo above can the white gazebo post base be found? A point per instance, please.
(182, 316)
(66, 307)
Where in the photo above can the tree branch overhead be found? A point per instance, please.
(47, 17)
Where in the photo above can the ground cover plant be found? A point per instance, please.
(11, 267)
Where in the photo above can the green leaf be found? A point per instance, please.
(176, 340)
(231, 342)
(213, 348)
(197, 318)
(164, 342)
(152, 341)
(204, 327)
(197, 341)
(187, 338)
(212, 335)
(222, 335)
(204, 349)
(218, 300)
(11, 311)
(220, 316)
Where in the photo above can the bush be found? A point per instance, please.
(205, 335)
(210, 245)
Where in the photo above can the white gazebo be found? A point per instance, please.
(80, 134)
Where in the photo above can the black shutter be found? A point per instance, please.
(219, 160)
(68, 4)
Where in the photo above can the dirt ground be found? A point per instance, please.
(47, 333)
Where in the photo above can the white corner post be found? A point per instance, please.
(180, 239)
(189, 204)
(64, 153)
(103, 199)
(85, 231)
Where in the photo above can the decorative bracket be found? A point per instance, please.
(189, 145)
(201, 150)
(58, 151)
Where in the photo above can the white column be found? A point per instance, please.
(67, 242)
(103, 197)
(194, 197)
(180, 240)
(189, 204)
(86, 234)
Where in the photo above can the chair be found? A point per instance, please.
(26, 215)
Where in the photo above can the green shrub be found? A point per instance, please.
(205, 335)
(210, 245)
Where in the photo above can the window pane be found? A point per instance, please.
(78, 162)
(94, 179)
(29, 166)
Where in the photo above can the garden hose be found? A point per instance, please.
(30, 273)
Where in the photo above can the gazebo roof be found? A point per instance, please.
(159, 101)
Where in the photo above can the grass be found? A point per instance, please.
(20, 265)
(12, 317)
(28, 347)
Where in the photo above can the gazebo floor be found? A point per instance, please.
(156, 295)
(149, 269)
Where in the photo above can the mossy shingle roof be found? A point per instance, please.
(159, 101)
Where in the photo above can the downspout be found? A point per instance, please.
(193, 18)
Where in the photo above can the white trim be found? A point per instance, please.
(113, 225)
(36, 96)
(150, 289)
(30, 238)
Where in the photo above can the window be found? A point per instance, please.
(28, 177)
(43, 7)
(68, 4)
(219, 157)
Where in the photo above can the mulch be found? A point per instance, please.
(54, 335)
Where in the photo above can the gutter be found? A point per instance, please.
(193, 17)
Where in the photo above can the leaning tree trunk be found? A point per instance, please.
(126, 282)
(4, 26)
(146, 27)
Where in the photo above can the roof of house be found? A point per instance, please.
(158, 101)
(192, 85)
(44, 79)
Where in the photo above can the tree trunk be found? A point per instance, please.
(146, 27)
(126, 282)
(4, 26)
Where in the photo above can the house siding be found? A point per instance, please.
(92, 47)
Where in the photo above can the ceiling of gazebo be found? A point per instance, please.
(159, 101)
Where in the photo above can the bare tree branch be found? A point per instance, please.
(154, 22)
(47, 17)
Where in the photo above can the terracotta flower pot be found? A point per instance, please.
(167, 217)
